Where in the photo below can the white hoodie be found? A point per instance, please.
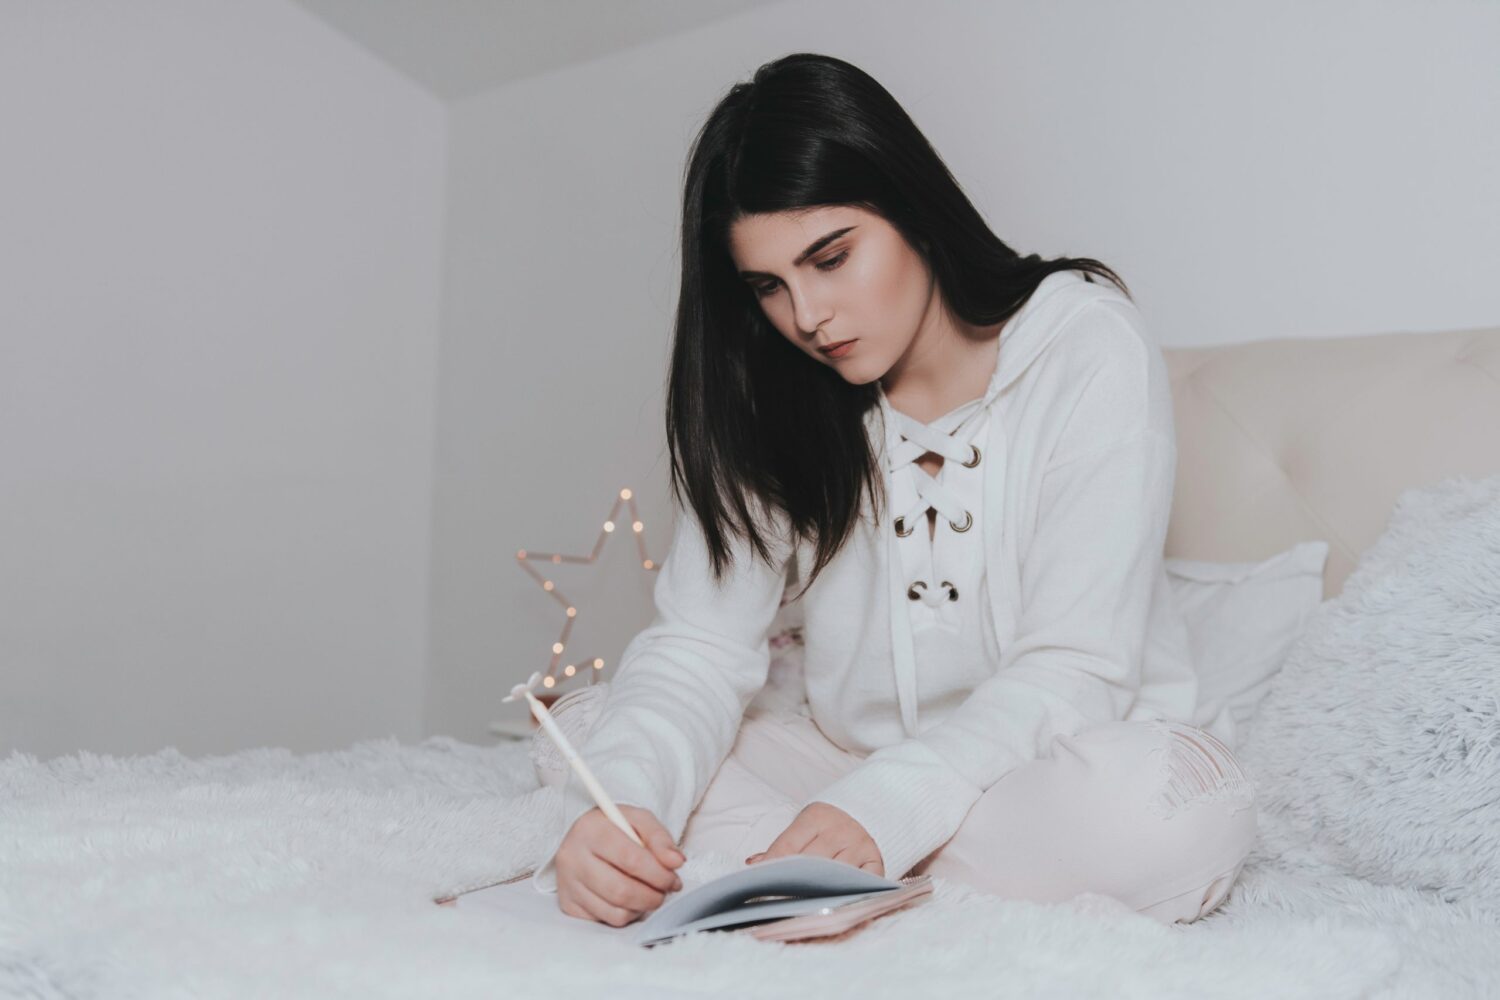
(1079, 456)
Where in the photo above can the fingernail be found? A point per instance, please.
(678, 884)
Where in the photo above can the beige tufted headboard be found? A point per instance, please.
(1281, 441)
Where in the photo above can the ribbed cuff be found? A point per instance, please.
(907, 799)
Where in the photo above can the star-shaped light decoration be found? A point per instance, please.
(593, 665)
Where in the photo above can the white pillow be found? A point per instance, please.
(1242, 619)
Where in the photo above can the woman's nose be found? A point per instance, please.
(807, 312)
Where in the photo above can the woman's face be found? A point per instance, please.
(836, 273)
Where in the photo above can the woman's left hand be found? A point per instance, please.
(829, 832)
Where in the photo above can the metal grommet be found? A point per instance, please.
(952, 590)
(974, 461)
(968, 523)
(913, 593)
(899, 522)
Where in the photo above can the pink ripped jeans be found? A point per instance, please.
(1158, 815)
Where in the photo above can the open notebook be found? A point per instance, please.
(792, 898)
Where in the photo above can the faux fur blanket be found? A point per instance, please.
(1378, 746)
(265, 873)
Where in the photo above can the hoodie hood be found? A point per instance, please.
(1024, 338)
(1022, 341)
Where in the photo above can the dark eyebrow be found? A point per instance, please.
(812, 248)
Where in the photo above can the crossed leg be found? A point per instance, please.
(1158, 815)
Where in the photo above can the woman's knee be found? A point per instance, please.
(1200, 783)
(1204, 805)
(1144, 811)
(1199, 803)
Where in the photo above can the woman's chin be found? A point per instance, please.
(855, 372)
(855, 375)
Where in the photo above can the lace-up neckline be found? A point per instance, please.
(937, 565)
(946, 436)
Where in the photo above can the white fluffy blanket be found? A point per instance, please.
(264, 873)
(1378, 746)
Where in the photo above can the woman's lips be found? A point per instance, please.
(838, 350)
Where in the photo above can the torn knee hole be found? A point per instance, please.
(1196, 767)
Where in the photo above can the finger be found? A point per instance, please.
(601, 909)
(616, 887)
(657, 839)
(822, 846)
(638, 863)
(776, 845)
(793, 839)
(858, 858)
(780, 848)
(567, 901)
(856, 853)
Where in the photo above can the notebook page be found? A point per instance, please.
(815, 879)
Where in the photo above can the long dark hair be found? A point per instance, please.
(757, 430)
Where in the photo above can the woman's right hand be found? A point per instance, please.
(603, 875)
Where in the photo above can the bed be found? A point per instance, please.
(1284, 440)
(268, 873)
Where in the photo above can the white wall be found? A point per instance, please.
(227, 235)
(220, 241)
(1253, 170)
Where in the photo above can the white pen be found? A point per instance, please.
(549, 724)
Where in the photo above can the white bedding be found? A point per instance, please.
(265, 873)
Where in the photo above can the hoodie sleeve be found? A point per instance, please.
(1086, 579)
(682, 686)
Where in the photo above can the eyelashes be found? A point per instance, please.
(831, 264)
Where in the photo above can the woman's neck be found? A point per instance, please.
(947, 365)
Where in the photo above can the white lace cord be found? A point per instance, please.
(930, 596)
(921, 438)
(907, 440)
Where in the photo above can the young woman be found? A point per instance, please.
(969, 456)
